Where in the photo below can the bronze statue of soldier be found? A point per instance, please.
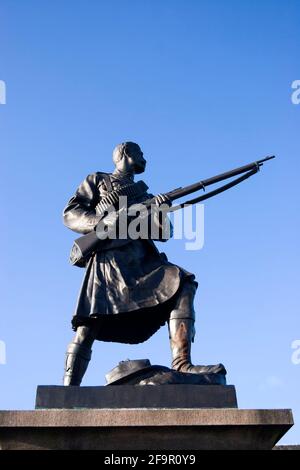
(129, 289)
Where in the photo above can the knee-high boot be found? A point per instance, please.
(77, 361)
(182, 332)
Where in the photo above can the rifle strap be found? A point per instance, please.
(219, 190)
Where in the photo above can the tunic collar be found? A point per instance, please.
(122, 175)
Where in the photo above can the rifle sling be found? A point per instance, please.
(215, 191)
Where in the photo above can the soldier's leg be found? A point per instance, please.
(78, 354)
(182, 332)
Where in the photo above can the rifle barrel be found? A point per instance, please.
(180, 192)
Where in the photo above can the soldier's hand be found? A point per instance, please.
(161, 199)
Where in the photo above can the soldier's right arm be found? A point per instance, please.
(79, 214)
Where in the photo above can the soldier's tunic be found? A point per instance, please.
(129, 289)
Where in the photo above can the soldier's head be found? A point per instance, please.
(128, 157)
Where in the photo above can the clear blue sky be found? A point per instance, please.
(203, 86)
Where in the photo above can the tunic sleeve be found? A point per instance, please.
(79, 214)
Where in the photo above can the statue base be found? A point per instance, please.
(143, 407)
(152, 429)
(132, 396)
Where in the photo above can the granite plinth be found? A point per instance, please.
(130, 396)
(151, 429)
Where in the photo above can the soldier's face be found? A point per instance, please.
(138, 161)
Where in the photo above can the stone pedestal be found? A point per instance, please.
(168, 417)
(131, 396)
(150, 429)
